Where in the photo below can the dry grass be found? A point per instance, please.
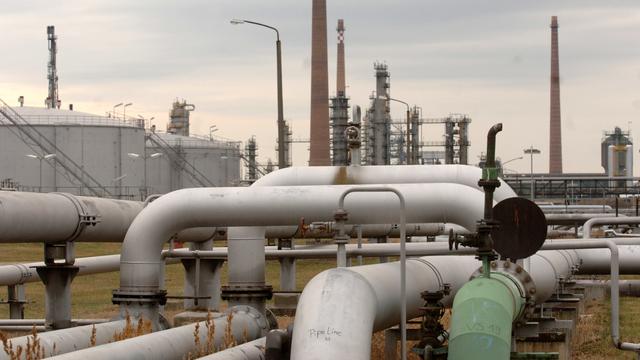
(592, 339)
(33, 350)
(129, 331)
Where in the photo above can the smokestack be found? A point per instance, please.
(319, 146)
(555, 128)
(340, 82)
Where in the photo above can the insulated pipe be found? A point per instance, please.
(573, 219)
(327, 229)
(60, 217)
(340, 308)
(331, 175)
(67, 340)
(586, 228)
(178, 343)
(481, 318)
(259, 206)
(25, 273)
(382, 174)
(253, 350)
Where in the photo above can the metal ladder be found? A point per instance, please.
(41, 145)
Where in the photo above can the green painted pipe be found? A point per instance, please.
(483, 312)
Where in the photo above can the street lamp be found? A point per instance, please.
(124, 111)
(40, 158)
(408, 128)
(281, 131)
(514, 159)
(114, 108)
(531, 151)
(212, 129)
(135, 156)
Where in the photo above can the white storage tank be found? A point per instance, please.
(97, 143)
(216, 159)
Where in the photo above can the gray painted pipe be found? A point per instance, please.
(340, 308)
(384, 174)
(360, 175)
(56, 217)
(178, 343)
(253, 350)
(572, 219)
(586, 228)
(25, 273)
(71, 339)
(260, 206)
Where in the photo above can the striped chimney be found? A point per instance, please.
(555, 128)
(319, 129)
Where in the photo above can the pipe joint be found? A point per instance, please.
(518, 276)
(120, 297)
(246, 293)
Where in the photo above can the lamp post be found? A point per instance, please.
(114, 109)
(408, 129)
(135, 156)
(531, 151)
(40, 158)
(124, 111)
(212, 129)
(281, 126)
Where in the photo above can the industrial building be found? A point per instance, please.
(490, 286)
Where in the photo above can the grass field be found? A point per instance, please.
(92, 299)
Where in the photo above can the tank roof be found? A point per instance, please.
(194, 141)
(44, 116)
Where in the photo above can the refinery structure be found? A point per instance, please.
(387, 246)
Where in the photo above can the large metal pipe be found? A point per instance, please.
(260, 206)
(14, 274)
(252, 350)
(245, 324)
(67, 340)
(388, 174)
(60, 217)
(340, 308)
(482, 316)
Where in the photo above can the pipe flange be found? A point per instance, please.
(518, 274)
(87, 215)
(260, 319)
(246, 292)
(136, 297)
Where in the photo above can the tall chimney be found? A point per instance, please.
(319, 146)
(340, 82)
(555, 128)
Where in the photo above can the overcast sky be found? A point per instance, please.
(487, 59)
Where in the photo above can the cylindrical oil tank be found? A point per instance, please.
(101, 145)
(218, 160)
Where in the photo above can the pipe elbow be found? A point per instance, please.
(335, 316)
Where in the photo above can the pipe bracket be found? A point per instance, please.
(129, 297)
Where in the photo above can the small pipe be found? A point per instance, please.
(586, 228)
(403, 255)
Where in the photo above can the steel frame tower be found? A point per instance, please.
(53, 100)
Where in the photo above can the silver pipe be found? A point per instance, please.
(259, 206)
(71, 339)
(586, 228)
(403, 255)
(178, 343)
(60, 217)
(329, 175)
(253, 350)
(340, 308)
(572, 219)
(385, 174)
(30, 322)
(25, 273)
